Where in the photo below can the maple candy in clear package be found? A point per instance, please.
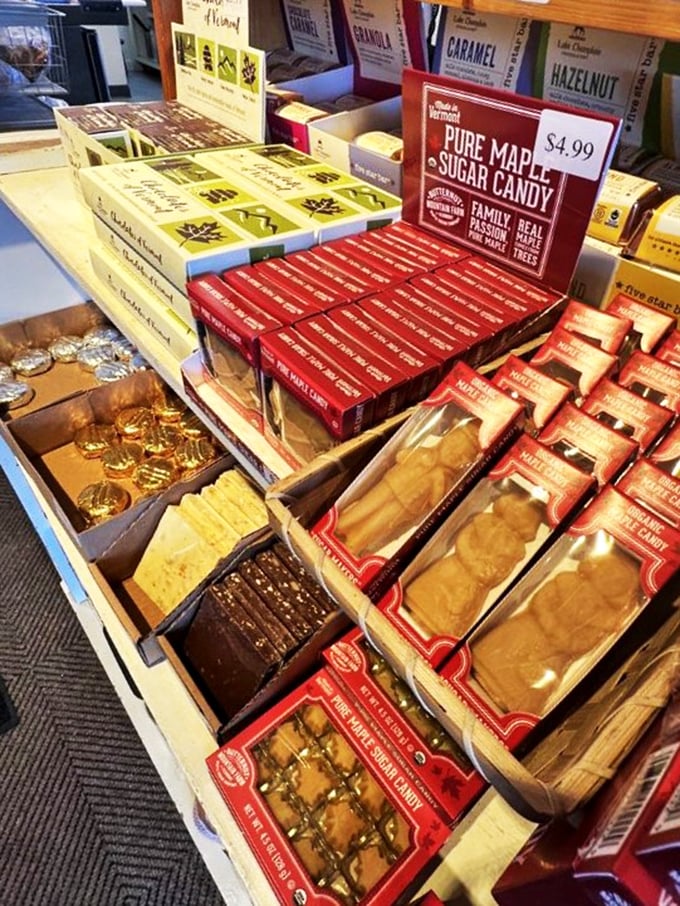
(586, 443)
(326, 807)
(587, 593)
(629, 414)
(653, 380)
(429, 463)
(430, 753)
(461, 574)
(666, 453)
(576, 362)
(649, 325)
(654, 488)
(541, 395)
(605, 330)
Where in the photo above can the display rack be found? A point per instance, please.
(167, 718)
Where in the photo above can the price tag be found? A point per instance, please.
(572, 144)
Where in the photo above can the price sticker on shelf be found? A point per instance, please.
(572, 144)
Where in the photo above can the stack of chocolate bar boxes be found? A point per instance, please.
(170, 218)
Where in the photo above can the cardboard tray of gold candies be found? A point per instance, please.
(574, 758)
(54, 355)
(101, 458)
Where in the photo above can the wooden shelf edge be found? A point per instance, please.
(660, 19)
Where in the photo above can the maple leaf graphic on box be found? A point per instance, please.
(326, 206)
(206, 233)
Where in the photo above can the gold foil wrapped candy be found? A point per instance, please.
(101, 500)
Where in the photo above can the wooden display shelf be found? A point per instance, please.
(472, 859)
(47, 203)
(660, 19)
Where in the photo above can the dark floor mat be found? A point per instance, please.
(86, 820)
(8, 713)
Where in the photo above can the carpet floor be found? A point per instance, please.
(84, 817)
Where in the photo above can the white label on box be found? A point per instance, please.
(223, 82)
(227, 19)
(379, 38)
(572, 144)
(484, 49)
(310, 25)
(669, 817)
(603, 71)
(642, 788)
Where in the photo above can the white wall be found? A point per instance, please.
(30, 281)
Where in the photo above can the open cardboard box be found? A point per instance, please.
(293, 671)
(332, 140)
(42, 443)
(63, 379)
(114, 570)
(315, 89)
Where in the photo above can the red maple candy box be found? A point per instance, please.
(391, 312)
(585, 442)
(332, 817)
(428, 751)
(567, 613)
(607, 864)
(627, 413)
(541, 395)
(653, 488)
(388, 386)
(653, 380)
(298, 380)
(381, 256)
(422, 370)
(230, 329)
(657, 837)
(488, 274)
(284, 304)
(484, 544)
(418, 475)
(575, 362)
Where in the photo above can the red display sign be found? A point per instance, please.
(513, 178)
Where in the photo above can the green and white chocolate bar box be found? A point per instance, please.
(186, 219)
(330, 201)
